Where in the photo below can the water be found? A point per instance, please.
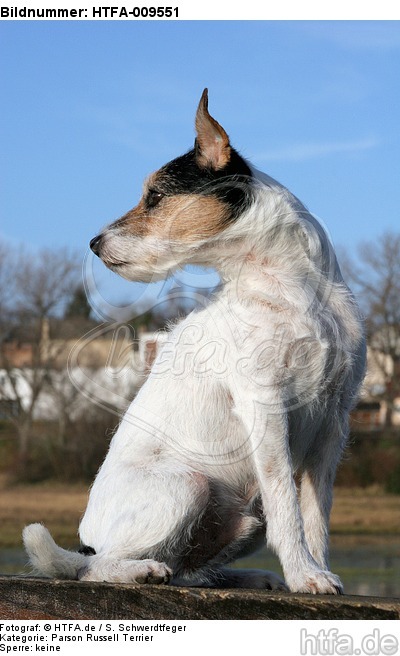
(367, 565)
(12, 561)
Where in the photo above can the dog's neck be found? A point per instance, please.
(276, 254)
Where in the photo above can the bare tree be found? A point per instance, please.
(7, 277)
(375, 278)
(33, 288)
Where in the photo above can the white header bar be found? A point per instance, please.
(173, 10)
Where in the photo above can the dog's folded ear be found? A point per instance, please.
(212, 143)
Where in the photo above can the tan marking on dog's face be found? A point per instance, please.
(134, 221)
(190, 218)
(181, 218)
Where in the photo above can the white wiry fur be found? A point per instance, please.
(248, 392)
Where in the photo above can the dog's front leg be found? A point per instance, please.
(316, 487)
(267, 434)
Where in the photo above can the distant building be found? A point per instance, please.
(107, 366)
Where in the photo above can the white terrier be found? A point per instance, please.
(238, 430)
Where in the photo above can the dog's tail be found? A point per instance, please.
(47, 558)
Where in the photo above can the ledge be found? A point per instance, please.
(39, 599)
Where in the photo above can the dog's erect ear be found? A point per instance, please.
(212, 143)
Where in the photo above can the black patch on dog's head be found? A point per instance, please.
(231, 184)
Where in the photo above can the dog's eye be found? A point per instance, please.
(153, 198)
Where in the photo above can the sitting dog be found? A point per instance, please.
(237, 432)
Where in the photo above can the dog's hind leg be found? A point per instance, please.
(49, 560)
(127, 570)
(133, 523)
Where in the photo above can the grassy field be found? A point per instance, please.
(59, 506)
(368, 512)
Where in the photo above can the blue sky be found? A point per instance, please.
(90, 108)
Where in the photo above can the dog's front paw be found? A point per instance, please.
(316, 582)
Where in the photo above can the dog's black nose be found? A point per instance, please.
(95, 244)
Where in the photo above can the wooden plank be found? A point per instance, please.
(34, 598)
